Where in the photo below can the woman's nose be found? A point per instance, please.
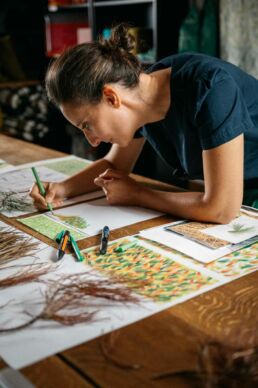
(93, 140)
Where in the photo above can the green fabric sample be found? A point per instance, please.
(189, 32)
(251, 197)
(199, 31)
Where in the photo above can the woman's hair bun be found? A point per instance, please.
(120, 38)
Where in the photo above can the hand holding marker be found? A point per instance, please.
(41, 187)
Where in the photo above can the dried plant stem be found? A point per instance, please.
(26, 275)
(20, 327)
(72, 299)
(107, 346)
(14, 245)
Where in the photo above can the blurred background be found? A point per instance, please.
(32, 33)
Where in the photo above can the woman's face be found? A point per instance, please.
(109, 121)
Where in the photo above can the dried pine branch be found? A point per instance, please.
(72, 299)
(26, 275)
(14, 245)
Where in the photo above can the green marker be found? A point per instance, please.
(41, 187)
(78, 254)
(124, 247)
(59, 236)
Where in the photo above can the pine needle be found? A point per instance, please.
(14, 245)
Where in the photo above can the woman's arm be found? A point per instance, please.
(123, 159)
(223, 180)
(83, 182)
(220, 202)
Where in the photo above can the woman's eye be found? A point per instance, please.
(86, 126)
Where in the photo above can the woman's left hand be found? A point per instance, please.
(119, 188)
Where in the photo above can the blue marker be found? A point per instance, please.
(104, 240)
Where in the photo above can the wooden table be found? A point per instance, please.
(167, 341)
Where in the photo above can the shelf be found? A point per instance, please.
(102, 14)
(120, 2)
(55, 8)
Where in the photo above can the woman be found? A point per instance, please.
(194, 109)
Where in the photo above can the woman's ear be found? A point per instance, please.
(111, 96)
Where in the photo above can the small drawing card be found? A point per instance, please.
(195, 231)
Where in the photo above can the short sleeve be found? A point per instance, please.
(222, 115)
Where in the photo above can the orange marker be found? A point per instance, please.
(63, 244)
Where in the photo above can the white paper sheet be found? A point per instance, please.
(4, 166)
(249, 210)
(99, 213)
(45, 162)
(190, 248)
(42, 339)
(249, 228)
(20, 179)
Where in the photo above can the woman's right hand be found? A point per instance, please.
(55, 194)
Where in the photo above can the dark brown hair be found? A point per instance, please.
(81, 72)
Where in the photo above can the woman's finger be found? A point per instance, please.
(57, 204)
(34, 192)
(110, 173)
(50, 196)
(40, 205)
(99, 181)
(41, 200)
(105, 190)
(37, 197)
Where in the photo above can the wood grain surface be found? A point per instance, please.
(169, 341)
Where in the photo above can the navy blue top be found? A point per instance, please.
(212, 102)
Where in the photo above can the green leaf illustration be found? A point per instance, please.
(76, 221)
(240, 228)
